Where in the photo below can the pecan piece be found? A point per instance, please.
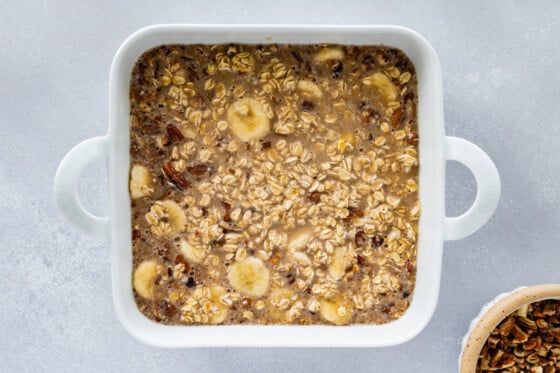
(506, 326)
(314, 197)
(397, 117)
(519, 336)
(361, 239)
(227, 210)
(180, 259)
(353, 213)
(166, 309)
(412, 138)
(176, 177)
(174, 134)
(149, 128)
(198, 169)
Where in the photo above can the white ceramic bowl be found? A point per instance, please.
(492, 314)
(434, 149)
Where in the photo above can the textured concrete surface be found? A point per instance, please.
(502, 91)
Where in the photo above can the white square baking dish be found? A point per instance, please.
(434, 149)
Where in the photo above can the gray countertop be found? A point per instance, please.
(500, 65)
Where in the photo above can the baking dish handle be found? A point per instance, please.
(65, 180)
(488, 188)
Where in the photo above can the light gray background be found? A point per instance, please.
(500, 65)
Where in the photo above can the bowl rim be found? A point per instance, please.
(491, 317)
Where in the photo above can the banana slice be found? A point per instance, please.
(192, 254)
(279, 301)
(336, 310)
(219, 310)
(299, 238)
(346, 142)
(166, 218)
(326, 54)
(309, 89)
(144, 278)
(340, 261)
(140, 181)
(249, 276)
(301, 258)
(248, 120)
(383, 86)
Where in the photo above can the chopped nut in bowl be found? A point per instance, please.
(516, 332)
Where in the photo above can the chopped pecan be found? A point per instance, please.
(180, 259)
(176, 177)
(524, 341)
(526, 323)
(314, 197)
(166, 309)
(150, 128)
(174, 134)
(519, 336)
(396, 117)
(198, 169)
(505, 326)
(361, 239)
(353, 213)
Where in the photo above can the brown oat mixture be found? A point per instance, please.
(526, 341)
(274, 184)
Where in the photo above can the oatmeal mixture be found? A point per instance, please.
(274, 184)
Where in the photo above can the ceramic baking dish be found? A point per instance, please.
(434, 149)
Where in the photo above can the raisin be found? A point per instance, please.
(368, 62)
(266, 145)
(190, 282)
(337, 69)
(377, 241)
(307, 105)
